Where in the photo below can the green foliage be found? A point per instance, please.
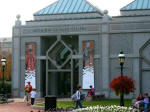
(7, 87)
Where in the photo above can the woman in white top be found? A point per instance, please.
(78, 93)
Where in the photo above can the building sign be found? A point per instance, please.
(88, 64)
(61, 29)
(30, 59)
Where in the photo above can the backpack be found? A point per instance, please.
(74, 97)
(27, 89)
(82, 96)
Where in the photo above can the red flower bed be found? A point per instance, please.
(122, 84)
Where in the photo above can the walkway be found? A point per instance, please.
(17, 106)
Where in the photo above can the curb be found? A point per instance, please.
(8, 101)
(38, 107)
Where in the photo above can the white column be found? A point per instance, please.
(105, 54)
(105, 64)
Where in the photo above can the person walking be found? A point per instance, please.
(78, 94)
(33, 94)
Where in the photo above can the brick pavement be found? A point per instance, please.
(17, 106)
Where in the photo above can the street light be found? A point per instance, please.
(121, 58)
(3, 62)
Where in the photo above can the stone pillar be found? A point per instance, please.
(105, 55)
(16, 58)
(136, 77)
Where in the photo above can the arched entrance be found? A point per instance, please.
(145, 67)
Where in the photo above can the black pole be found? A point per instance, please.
(122, 99)
(121, 64)
(3, 79)
(121, 94)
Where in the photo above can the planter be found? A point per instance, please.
(89, 98)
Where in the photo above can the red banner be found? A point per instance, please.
(30, 59)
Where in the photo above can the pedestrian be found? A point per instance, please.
(78, 94)
(28, 89)
(33, 94)
(91, 91)
(136, 102)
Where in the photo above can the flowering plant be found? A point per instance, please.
(112, 108)
(122, 84)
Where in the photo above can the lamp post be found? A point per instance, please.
(3, 62)
(121, 58)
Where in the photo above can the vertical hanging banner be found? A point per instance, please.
(88, 64)
(30, 60)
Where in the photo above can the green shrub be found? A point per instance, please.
(7, 87)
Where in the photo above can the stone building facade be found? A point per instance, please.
(68, 24)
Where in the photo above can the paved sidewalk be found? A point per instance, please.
(17, 106)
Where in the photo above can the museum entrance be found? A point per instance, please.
(61, 69)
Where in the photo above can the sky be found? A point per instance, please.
(26, 8)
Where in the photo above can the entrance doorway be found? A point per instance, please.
(63, 84)
(61, 69)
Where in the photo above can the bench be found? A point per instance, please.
(3, 98)
(96, 97)
(141, 107)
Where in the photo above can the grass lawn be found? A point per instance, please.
(66, 104)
